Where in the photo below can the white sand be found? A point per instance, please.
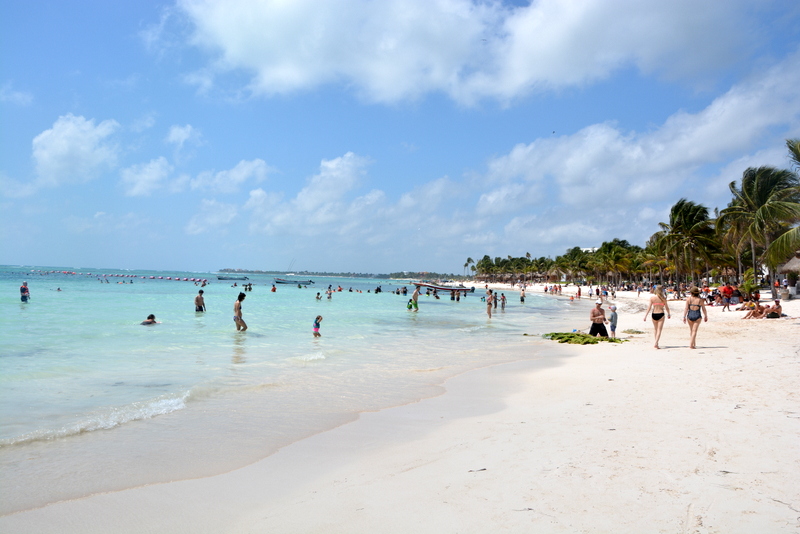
(617, 438)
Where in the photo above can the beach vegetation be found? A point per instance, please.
(579, 338)
(748, 286)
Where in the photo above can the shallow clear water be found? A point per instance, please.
(86, 390)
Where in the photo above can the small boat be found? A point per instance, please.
(300, 282)
(221, 277)
(446, 289)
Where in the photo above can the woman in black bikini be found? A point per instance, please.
(658, 303)
(692, 314)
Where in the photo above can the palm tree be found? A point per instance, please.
(574, 263)
(687, 237)
(766, 202)
(470, 261)
(485, 266)
(789, 242)
(794, 152)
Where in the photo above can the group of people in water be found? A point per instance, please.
(657, 311)
(492, 300)
(238, 319)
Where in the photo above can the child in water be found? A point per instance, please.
(316, 326)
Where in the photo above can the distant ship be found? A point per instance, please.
(224, 277)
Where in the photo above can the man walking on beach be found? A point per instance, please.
(199, 302)
(727, 293)
(598, 318)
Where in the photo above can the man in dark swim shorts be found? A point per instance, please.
(199, 302)
(598, 318)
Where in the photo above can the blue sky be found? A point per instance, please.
(369, 136)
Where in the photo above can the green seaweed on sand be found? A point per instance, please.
(632, 331)
(579, 338)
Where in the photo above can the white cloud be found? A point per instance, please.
(20, 98)
(262, 205)
(398, 49)
(213, 215)
(600, 160)
(336, 177)
(230, 180)
(179, 135)
(580, 189)
(144, 122)
(143, 179)
(320, 205)
(14, 188)
(553, 43)
(74, 150)
(161, 38)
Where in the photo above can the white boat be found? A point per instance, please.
(295, 282)
(460, 289)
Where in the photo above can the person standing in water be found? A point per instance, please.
(316, 326)
(415, 298)
(658, 303)
(237, 313)
(24, 292)
(489, 302)
(692, 314)
(199, 302)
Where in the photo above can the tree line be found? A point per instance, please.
(757, 231)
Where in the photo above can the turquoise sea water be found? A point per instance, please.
(91, 400)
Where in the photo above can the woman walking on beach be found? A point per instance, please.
(692, 313)
(658, 303)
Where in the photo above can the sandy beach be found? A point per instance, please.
(609, 438)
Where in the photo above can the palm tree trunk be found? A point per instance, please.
(770, 270)
(739, 265)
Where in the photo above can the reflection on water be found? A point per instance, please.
(239, 350)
